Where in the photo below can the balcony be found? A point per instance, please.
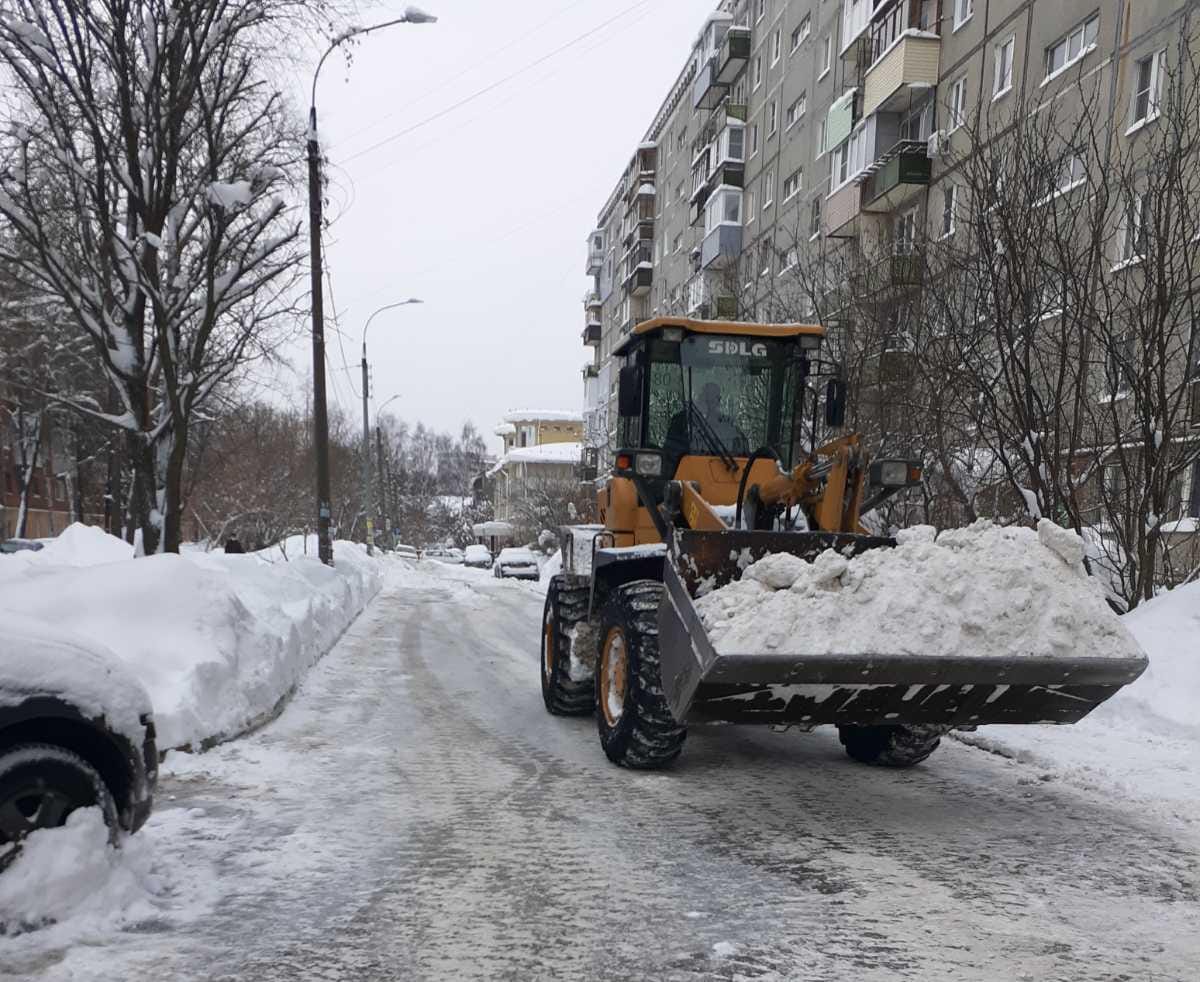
(640, 263)
(592, 302)
(591, 333)
(639, 221)
(886, 182)
(841, 211)
(904, 58)
(721, 247)
(595, 260)
(590, 370)
(901, 270)
(735, 53)
(707, 92)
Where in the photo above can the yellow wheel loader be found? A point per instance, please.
(720, 465)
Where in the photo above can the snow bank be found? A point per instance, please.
(84, 545)
(217, 640)
(1168, 628)
(983, 591)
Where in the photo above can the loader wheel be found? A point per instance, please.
(890, 746)
(566, 606)
(636, 726)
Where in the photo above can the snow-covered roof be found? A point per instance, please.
(543, 453)
(544, 416)
(505, 429)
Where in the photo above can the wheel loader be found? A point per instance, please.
(721, 465)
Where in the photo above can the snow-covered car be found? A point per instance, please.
(407, 552)
(517, 563)
(10, 546)
(444, 554)
(477, 556)
(76, 731)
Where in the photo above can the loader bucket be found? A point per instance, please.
(863, 689)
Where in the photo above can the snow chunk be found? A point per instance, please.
(1064, 543)
(239, 194)
(778, 571)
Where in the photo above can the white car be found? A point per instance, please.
(407, 552)
(477, 556)
(517, 563)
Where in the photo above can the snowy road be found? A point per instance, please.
(414, 814)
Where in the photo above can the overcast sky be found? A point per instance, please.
(483, 213)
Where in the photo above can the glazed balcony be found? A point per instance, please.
(905, 56)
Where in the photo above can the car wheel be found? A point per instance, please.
(40, 786)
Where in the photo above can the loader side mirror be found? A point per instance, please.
(629, 391)
(835, 402)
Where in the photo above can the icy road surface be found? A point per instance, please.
(415, 815)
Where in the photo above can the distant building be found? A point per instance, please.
(541, 447)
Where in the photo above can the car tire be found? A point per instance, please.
(40, 786)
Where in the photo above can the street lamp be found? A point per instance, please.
(412, 15)
(366, 462)
(385, 477)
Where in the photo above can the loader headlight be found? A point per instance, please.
(895, 473)
(648, 465)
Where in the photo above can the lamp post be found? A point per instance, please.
(366, 459)
(412, 15)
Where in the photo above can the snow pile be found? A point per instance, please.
(981, 591)
(1168, 628)
(550, 569)
(217, 640)
(84, 545)
(72, 873)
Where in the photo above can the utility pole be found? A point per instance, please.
(412, 15)
(320, 409)
(366, 455)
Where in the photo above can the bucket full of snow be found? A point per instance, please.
(977, 625)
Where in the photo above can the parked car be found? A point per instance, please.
(9, 546)
(517, 563)
(444, 554)
(477, 556)
(76, 731)
(407, 552)
(454, 555)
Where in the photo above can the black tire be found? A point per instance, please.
(890, 746)
(40, 786)
(566, 607)
(643, 734)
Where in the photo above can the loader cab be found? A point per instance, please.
(691, 392)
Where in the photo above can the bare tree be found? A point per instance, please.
(141, 177)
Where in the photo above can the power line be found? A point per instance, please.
(466, 71)
(494, 85)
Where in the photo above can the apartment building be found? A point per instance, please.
(812, 124)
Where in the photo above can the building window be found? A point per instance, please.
(753, 139)
(963, 9)
(802, 32)
(768, 190)
(814, 221)
(1147, 92)
(677, 244)
(949, 193)
(764, 257)
(776, 47)
(1113, 482)
(826, 56)
(723, 208)
(905, 233)
(750, 209)
(1004, 67)
(1118, 364)
(1063, 54)
(796, 110)
(793, 184)
(1070, 173)
(820, 137)
(760, 10)
(680, 191)
(958, 103)
(772, 117)
(757, 71)
(1134, 227)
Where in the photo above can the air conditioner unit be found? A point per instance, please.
(937, 144)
